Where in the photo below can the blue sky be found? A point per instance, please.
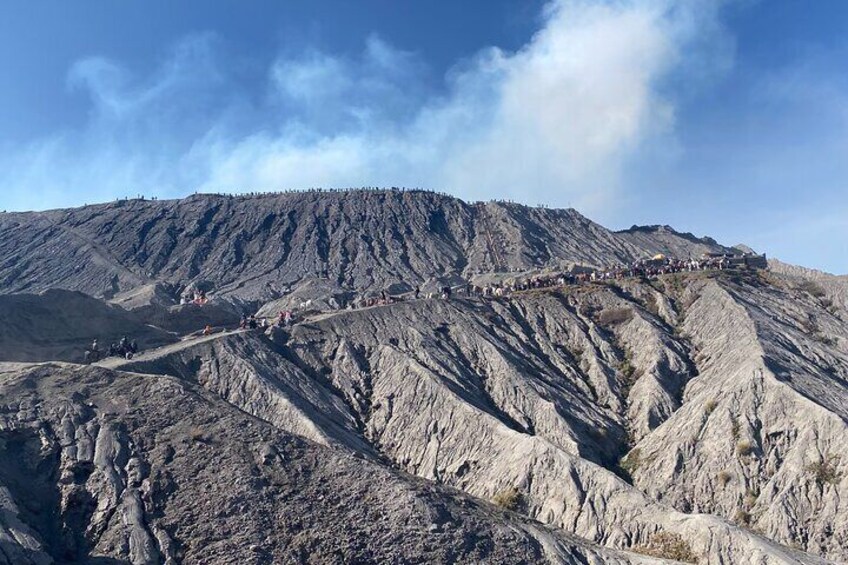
(720, 117)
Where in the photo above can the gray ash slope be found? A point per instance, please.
(95, 468)
(617, 411)
(712, 406)
(254, 247)
(59, 325)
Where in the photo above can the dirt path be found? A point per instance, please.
(159, 352)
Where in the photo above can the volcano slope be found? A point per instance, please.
(698, 405)
(59, 325)
(105, 467)
(258, 247)
(699, 416)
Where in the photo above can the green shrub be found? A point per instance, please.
(723, 478)
(734, 427)
(750, 498)
(710, 406)
(626, 369)
(742, 517)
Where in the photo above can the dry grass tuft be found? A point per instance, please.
(744, 448)
(508, 499)
(825, 471)
(667, 545)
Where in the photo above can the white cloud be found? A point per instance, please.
(559, 120)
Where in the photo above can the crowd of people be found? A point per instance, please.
(250, 194)
(251, 321)
(650, 268)
(194, 297)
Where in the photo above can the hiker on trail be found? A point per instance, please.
(251, 322)
(287, 318)
(207, 330)
(446, 292)
(94, 348)
(417, 292)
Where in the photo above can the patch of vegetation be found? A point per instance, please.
(710, 406)
(824, 339)
(812, 288)
(577, 352)
(723, 478)
(197, 434)
(742, 517)
(768, 278)
(631, 462)
(812, 329)
(667, 545)
(509, 499)
(652, 305)
(734, 427)
(627, 369)
(744, 448)
(675, 283)
(750, 498)
(614, 316)
(825, 471)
